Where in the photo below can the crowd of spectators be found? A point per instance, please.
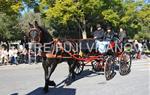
(17, 54)
(141, 47)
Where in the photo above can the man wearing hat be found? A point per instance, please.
(108, 36)
(99, 33)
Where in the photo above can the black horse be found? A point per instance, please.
(40, 35)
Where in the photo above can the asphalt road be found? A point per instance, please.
(29, 79)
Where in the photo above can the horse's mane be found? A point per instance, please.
(46, 36)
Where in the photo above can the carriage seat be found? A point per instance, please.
(87, 45)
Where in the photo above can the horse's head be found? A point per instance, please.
(35, 33)
(39, 34)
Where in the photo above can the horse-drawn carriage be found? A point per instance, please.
(83, 51)
(78, 53)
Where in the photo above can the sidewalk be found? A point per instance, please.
(21, 66)
(143, 60)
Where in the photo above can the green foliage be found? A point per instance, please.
(111, 16)
(143, 18)
(11, 7)
(9, 12)
(82, 13)
(73, 17)
(142, 35)
(8, 27)
(29, 17)
(63, 10)
(87, 13)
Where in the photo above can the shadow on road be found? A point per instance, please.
(60, 90)
(85, 73)
(53, 91)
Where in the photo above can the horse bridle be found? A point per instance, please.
(35, 35)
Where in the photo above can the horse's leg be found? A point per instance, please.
(45, 67)
(49, 66)
(72, 73)
(52, 66)
(71, 76)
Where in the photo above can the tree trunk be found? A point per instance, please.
(82, 28)
(84, 34)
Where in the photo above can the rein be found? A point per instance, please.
(77, 56)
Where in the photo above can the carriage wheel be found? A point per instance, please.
(125, 64)
(109, 68)
(79, 67)
(97, 66)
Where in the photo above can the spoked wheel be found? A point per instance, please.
(79, 67)
(125, 63)
(109, 68)
(97, 66)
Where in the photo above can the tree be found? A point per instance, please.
(9, 12)
(143, 20)
(9, 27)
(77, 17)
(82, 13)
(29, 17)
(11, 7)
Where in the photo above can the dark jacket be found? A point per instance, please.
(98, 34)
(108, 36)
(122, 35)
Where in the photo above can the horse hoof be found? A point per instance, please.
(51, 83)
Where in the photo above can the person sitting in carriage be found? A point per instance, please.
(102, 39)
(99, 33)
(122, 34)
(99, 36)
